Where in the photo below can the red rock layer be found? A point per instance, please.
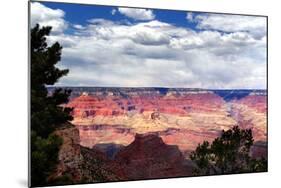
(149, 157)
(251, 112)
(187, 140)
(208, 114)
(257, 102)
(81, 164)
(89, 106)
(96, 134)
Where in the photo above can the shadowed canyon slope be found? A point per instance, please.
(149, 157)
(145, 158)
(81, 164)
(109, 118)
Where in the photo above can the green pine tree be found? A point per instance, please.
(46, 113)
(229, 153)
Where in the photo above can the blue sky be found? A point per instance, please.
(131, 47)
(80, 13)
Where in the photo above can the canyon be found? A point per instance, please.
(147, 157)
(144, 133)
(109, 118)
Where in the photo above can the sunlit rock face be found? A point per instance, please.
(182, 117)
(250, 112)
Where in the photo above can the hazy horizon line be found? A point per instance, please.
(136, 87)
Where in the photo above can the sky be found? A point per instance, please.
(128, 47)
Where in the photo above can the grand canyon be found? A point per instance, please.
(121, 94)
(143, 133)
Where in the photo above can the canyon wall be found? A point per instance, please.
(78, 164)
(109, 119)
(147, 157)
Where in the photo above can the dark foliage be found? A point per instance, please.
(46, 113)
(227, 154)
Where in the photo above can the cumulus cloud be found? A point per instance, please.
(189, 16)
(47, 17)
(159, 54)
(137, 13)
(155, 53)
(232, 23)
(78, 26)
(113, 11)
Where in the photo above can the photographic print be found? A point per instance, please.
(127, 93)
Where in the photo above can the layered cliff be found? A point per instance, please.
(146, 157)
(78, 164)
(115, 119)
(250, 112)
(182, 117)
(149, 157)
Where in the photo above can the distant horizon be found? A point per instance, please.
(136, 87)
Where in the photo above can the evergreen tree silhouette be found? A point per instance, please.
(47, 114)
(229, 153)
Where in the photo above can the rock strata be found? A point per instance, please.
(149, 157)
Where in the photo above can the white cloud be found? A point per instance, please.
(159, 54)
(48, 17)
(78, 26)
(113, 11)
(189, 16)
(137, 13)
(232, 23)
(154, 53)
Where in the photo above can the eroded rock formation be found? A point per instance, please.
(146, 157)
(181, 117)
(79, 164)
(149, 157)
